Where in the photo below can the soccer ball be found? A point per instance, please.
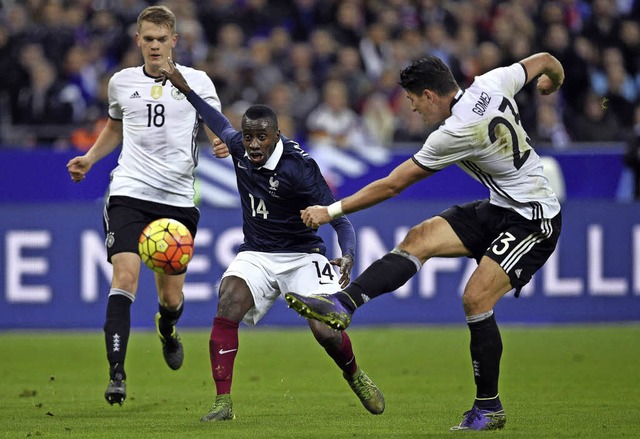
(166, 246)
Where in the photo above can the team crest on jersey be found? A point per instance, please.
(156, 91)
(177, 94)
(273, 185)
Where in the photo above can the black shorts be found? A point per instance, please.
(124, 219)
(521, 246)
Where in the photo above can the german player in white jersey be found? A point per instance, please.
(511, 234)
(154, 178)
(276, 179)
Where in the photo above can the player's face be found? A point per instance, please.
(424, 105)
(259, 138)
(156, 43)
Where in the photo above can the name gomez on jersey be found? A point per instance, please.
(485, 138)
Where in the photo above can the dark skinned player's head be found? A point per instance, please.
(260, 133)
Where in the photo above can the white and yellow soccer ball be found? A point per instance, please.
(166, 246)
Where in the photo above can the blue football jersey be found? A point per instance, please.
(273, 195)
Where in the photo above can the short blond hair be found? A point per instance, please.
(160, 15)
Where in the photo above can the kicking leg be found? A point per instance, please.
(433, 237)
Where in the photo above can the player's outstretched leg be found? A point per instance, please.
(325, 308)
(116, 391)
(171, 346)
(221, 410)
(369, 394)
(482, 419)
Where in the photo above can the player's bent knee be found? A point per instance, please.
(476, 303)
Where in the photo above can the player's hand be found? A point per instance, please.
(345, 264)
(173, 74)
(546, 85)
(78, 168)
(219, 149)
(315, 216)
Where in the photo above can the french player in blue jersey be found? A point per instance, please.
(276, 180)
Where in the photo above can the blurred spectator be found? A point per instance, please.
(307, 15)
(280, 42)
(306, 96)
(191, 47)
(603, 26)
(349, 26)
(47, 102)
(597, 122)
(333, 126)
(260, 16)
(434, 12)
(630, 47)
(266, 73)
(280, 98)
(214, 14)
(439, 43)
(331, 122)
(78, 71)
(324, 50)
(612, 81)
(376, 50)
(550, 128)
(109, 38)
(52, 31)
(86, 134)
(378, 120)
(348, 69)
(575, 58)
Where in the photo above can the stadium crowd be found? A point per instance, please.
(328, 68)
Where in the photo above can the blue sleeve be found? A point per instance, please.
(321, 194)
(215, 120)
(346, 236)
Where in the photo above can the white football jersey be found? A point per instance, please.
(159, 150)
(485, 138)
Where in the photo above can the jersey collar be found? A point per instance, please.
(456, 98)
(275, 157)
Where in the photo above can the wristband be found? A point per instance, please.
(335, 210)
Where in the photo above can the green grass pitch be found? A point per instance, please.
(557, 381)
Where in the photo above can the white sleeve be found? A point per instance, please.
(509, 80)
(115, 111)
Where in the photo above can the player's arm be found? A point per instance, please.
(547, 69)
(347, 242)
(403, 176)
(313, 184)
(108, 140)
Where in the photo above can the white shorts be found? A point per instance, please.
(269, 275)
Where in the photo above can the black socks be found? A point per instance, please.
(486, 350)
(385, 275)
(168, 319)
(116, 333)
